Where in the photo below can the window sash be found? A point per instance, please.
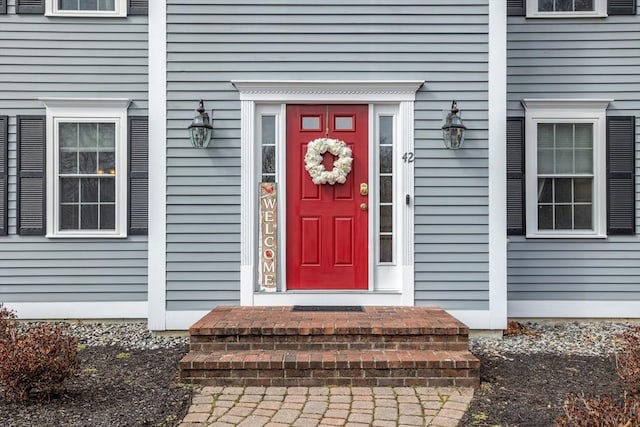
(87, 5)
(86, 8)
(566, 8)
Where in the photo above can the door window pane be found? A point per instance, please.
(385, 193)
(386, 159)
(268, 142)
(311, 123)
(386, 248)
(386, 189)
(269, 159)
(344, 123)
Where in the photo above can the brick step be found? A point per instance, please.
(347, 367)
(280, 328)
(210, 343)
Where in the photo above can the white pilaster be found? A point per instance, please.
(497, 163)
(157, 246)
(248, 190)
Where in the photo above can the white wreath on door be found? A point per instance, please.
(313, 161)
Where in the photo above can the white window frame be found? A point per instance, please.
(599, 11)
(52, 9)
(566, 111)
(113, 110)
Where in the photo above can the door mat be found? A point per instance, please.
(328, 308)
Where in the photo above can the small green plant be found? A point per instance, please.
(628, 360)
(123, 355)
(89, 371)
(81, 347)
(39, 358)
(603, 411)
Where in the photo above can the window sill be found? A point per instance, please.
(80, 14)
(566, 15)
(87, 236)
(566, 236)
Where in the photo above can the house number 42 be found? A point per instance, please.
(408, 157)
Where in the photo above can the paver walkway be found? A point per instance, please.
(327, 406)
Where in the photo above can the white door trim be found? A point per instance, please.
(400, 93)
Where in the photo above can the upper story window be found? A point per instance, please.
(112, 8)
(565, 146)
(566, 8)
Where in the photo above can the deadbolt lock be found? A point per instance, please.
(364, 207)
(364, 189)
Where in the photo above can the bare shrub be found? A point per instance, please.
(36, 359)
(628, 360)
(516, 328)
(603, 411)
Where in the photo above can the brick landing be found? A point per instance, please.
(382, 346)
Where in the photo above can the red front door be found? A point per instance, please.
(327, 225)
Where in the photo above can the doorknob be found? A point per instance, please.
(364, 207)
(364, 189)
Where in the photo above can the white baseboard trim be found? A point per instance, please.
(474, 319)
(80, 310)
(574, 309)
(182, 320)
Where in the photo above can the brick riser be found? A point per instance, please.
(210, 343)
(355, 368)
(383, 346)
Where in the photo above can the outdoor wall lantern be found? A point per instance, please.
(200, 128)
(453, 129)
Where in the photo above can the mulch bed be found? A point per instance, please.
(114, 388)
(529, 390)
(140, 388)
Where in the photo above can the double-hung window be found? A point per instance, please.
(114, 8)
(86, 167)
(566, 8)
(565, 167)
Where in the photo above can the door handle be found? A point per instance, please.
(364, 207)
(364, 189)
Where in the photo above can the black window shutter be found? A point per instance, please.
(516, 7)
(515, 176)
(621, 175)
(31, 175)
(138, 7)
(35, 7)
(3, 7)
(4, 174)
(621, 7)
(138, 175)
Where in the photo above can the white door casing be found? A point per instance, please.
(391, 284)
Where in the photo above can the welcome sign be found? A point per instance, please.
(268, 236)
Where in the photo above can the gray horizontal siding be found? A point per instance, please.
(582, 58)
(223, 40)
(81, 58)
(574, 270)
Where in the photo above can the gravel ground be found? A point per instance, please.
(526, 378)
(568, 338)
